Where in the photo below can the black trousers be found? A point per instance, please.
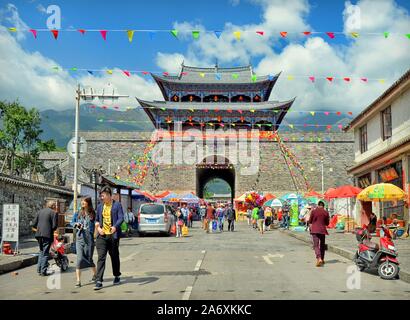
(105, 244)
(231, 225)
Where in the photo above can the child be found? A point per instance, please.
(179, 224)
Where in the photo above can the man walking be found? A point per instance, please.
(185, 213)
(210, 211)
(285, 215)
(261, 219)
(230, 215)
(108, 222)
(319, 219)
(45, 224)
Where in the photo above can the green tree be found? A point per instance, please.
(20, 142)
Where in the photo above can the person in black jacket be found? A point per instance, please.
(45, 225)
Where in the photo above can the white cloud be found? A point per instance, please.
(370, 56)
(12, 18)
(30, 77)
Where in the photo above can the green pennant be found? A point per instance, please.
(408, 35)
(386, 34)
(55, 68)
(73, 69)
(174, 33)
(195, 34)
(235, 76)
(254, 78)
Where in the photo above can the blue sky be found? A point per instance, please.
(367, 56)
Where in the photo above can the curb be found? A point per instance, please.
(24, 262)
(404, 275)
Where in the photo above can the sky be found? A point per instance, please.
(27, 63)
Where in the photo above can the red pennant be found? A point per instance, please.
(116, 107)
(127, 73)
(312, 79)
(338, 113)
(104, 34)
(184, 73)
(229, 110)
(145, 73)
(307, 33)
(330, 79)
(165, 74)
(363, 79)
(340, 126)
(350, 113)
(104, 107)
(82, 31)
(55, 33)
(93, 107)
(305, 125)
(34, 32)
(216, 110)
(329, 127)
(331, 35)
(283, 34)
(346, 79)
(260, 32)
(202, 124)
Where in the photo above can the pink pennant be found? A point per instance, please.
(127, 73)
(184, 73)
(93, 107)
(240, 111)
(330, 79)
(329, 127)
(307, 33)
(340, 126)
(260, 32)
(145, 73)
(104, 107)
(165, 74)
(82, 31)
(331, 35)
(104, 34)
(116, 107)
(363, 79)
(312, 79)
(55, 33)
(283, 34)
(327, 113)
(34, 32)
(346, 79)
(305, 125)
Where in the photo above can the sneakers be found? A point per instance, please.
(94, 279)
(78, 284)
(47, 273)
(98, 286)
(116, 281)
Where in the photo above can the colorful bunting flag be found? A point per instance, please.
(354, 34)
(346, 79)
(381, 80)
(127, 73)
(338, 113)
(82, 31)
(201, 74)
(174, 33)
(291, 126)
(329, 127)
(327, 113)
(283, 34)
(73, 69)
(104, 34)
(270, 77)
(145, 73)
(330, 79)
(90, 72)
(312, 113)
(195, 34)
(331, 35)
(307, 33)
(109, 71)
(55, 33)
(12, 29)
(237, 35)
(408, 35)
(218, 76)
(254, 78)
(130, 34)
(311, 78)
(218, 34)
(34, 32)
(340, 126)
(290, 77)
(260, 33)
(166, 74)
(350, 113)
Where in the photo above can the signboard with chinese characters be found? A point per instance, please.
(10, 222)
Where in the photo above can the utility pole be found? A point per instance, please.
(323, 183)
(82, 95)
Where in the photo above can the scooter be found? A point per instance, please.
(57, 252)
(371, 256)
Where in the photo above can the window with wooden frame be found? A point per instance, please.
(386, 123)
(363, 138)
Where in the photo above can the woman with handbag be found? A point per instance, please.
(84, 226)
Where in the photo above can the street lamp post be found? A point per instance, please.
(323, 183)
(85, 96)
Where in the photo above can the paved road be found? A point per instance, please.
(229, 265)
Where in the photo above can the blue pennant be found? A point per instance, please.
(218, 34)
(218, 76)
(90, 72)
(270, 77)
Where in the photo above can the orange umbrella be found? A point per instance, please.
(269, 196)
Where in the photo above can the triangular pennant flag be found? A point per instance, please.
(346, 79)
(237, 35)
(381, 80)
(218, 34)
(174, 33)
(145, 73)
(56, 68)
(130, 34)
(234, 76)
(331, 35)
(330, 79)
(408, 35)
(73, 69)
(184, 73)
(307, 33)
(127, 73)
(165, 74)
(311, 78)
(240, 111)
(254, 78)
(386, 34)
(90, 72)
(340, 126)
(270, 77)
(363, 79)
(291, 126)
(55, 33)
(195, 34)
(109, 71)
(34, 32)
(350, 113)
(201, 74)
(329, 126)
(283, 34)
(339, 113)
(259, 125)
(218, 76)
(312, 113)
(326, 113)
(104, 34)
(12, 29)
(260, 32)
(229, 110)
(82, 31)
(290, 77)
(252, 110)
(354, 34)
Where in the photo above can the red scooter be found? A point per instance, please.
(371, 256)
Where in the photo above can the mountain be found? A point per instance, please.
(59, 125)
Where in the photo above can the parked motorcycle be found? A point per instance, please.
(372, 256)
(57, 252)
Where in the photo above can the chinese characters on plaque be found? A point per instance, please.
(10, 222)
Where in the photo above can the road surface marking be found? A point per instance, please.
(128, 258)
(267, 260)
(203, 251)
(187, 293)
(198, 265)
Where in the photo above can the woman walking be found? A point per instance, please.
(84, 224)
(179, 224)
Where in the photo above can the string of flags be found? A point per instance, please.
(218, 76)
(196, 33)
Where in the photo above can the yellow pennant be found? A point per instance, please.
(381, 80)
(109, 71)
(354, 34)
(291, 126)
(237, 35)
(12, 29)
(130, 35)
(202, 74)
(290, 77)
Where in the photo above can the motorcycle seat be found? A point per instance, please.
(373, 246)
